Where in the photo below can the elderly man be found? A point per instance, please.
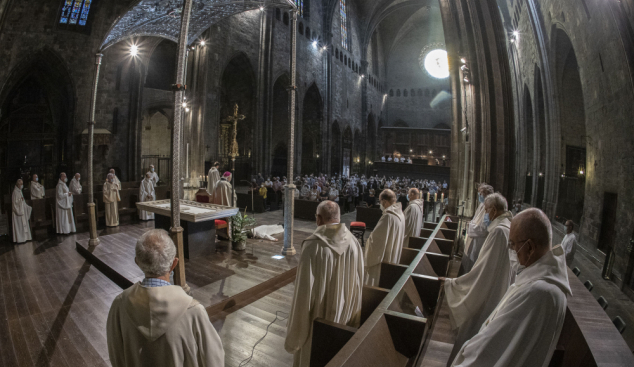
(153, 176)
(413, 215)
(224, 190)
(146, 193)
(473, 296)
(329, 282)
(386, 241)
(115, 179)
(64, 219)
(75, 186)
(37, 190)
(21, 215)
(476, 231)
(154, 323)
(111, 200)
(523, 329)
(569, 243)
(213, 177)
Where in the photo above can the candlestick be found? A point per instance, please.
(435, 196)
(427, 196)
(442, 197)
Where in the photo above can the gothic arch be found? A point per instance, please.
(312, 121)
(335, 145)
(277, 131)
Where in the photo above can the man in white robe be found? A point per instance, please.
(155, 323)
(523, 330)
(115, 179)
(569, 243)
(37, 190)
(146, 193)
(413, 216)
(75, 186)
(224, 190)
(64, 218)
(153, 176)
(473, 296)
(386, 241)
(329, 282)
(213, 178)
(476, 232)
(21, 215)
(111, 200)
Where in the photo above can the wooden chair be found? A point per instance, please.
(620, 324)
(589, 286)
(358, 230)
(603, 302)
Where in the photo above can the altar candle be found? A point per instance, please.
(442, 197)
(428, 196)
(435, 196)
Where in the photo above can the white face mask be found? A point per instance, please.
(65, 180)
(152, 169)
(77, 178)
(20, 187)
(515, 261)
(37, 179)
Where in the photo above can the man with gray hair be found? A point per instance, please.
(413, 215)
(155, 323)
(473, 296)
(476, 231)
(111, 200)
(329, 282)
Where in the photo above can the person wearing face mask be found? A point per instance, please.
(473, 296)
(21, 215)
(386, 241)
(115, 179)
(153, 176)
(111, 200)
(476, 231)
(413, 216)
(64, 219)
(75, 186)
(36, 189)
(146, 193)
(523, 329)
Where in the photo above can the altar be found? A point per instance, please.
(197, 220)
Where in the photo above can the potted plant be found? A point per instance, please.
(239, 223)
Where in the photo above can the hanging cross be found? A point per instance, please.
(233, 152)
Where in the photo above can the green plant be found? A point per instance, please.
(239, 223)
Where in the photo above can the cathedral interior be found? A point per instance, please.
(530, 96)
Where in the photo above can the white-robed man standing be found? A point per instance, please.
(329, 282)
(153, 176)
(213, 178)
(523, 330)
(155, 323)
(413, 215)
(146, 193)
(476, 231)
(111, 200)
(224, 190)
(36, 189)
(75, 186)
(386, 241)
(569, 243)
(21, 215)
(473, 296)
(115, 179)
(64, 219)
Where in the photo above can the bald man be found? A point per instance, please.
(329, 282)
(524, 328)
(413, 215)
(386, 241)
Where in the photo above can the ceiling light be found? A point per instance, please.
(134, 50)
(202, 43)
(516, 33)
(184, 104)
(186, 109)
(463, 60)
(314, 43)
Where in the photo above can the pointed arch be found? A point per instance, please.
(312, 122)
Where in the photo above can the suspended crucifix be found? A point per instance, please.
(233, 151)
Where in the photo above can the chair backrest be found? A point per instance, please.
(603, 302)
(576, 271)
(588, 284)
(619, 323)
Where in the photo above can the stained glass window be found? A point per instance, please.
(75, 12)
(300, 7)
(343, 9)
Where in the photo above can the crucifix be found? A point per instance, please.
(233, 152)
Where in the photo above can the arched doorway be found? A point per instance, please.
(335, 154)
(156, 140)
(311, 131)
(529, 128)
(371, 134)
(280, 160)
(346, 152)
(279, 124)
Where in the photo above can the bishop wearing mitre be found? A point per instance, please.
(386, 241)
(115, 179)
(413, 216)
(111, 200)
(146, 193)
(329, 282)
(37, 190)
(64, 219)
(224, 190)
(75, 186)
(213, 178)
(21, 215)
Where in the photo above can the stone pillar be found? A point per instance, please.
(92, 222)
(289, 194)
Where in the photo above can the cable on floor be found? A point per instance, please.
(277, 317)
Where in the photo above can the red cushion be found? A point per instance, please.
(357, 224)
(220, 223)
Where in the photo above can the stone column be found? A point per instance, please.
(289, 196)
(94, 239)
(179, 92)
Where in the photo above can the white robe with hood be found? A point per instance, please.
(473, 296)
(161, 326)
(37, 190)
(523, 330)
(212, 180)
(75, 187)
(385, 243)
(111, 200)
(222, 195)
(569, 245)
(413, 220)
(64, 218)
(21, 216)
(146, 193)
(154, 178)
(328, 285)
(476, 235)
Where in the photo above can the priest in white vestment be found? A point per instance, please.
(213, 178)
(386, 241)
(111, 200)
(473, 296)
(21, 215)
(37, 190)
(413, 215)
(64, 218)
(224, 190)
(569, 243)
(524, 328)
(153, 176)
(115, 179)
(329, 282)
(75, 186)
(155, 323)
(146, 193)
(476, 231)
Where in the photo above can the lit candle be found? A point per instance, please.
(435, 196)
(428, 196)
(442, 197)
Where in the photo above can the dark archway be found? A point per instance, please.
(311, 144)
(279, 121)
(280, 160)
(162, 66)
(371, 139)
(346, 152)
(335, 153)
(529, 127)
